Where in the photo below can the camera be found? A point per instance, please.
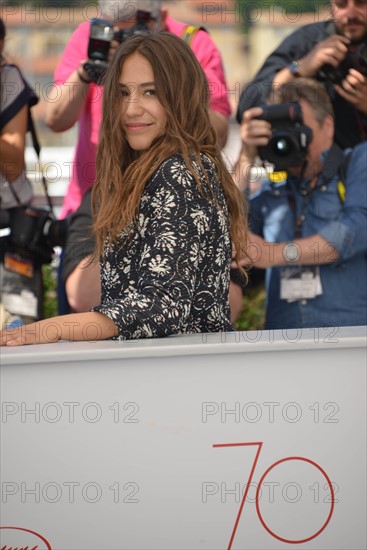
(37, 231)
(100, 38)
(290, 138)
(353, 60)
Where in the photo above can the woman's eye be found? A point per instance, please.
(149, 92)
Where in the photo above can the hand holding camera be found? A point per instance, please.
(254, 133)
(333, 59)
(329, 52)
(277, 134)
(104, 38)
(354, 90)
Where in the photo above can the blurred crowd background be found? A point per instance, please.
(245, 31)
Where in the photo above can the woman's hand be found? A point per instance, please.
(33, 333)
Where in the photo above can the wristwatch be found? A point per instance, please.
(293, 68)
(291, 253)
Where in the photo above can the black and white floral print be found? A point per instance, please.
(172, 274)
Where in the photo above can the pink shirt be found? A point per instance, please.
(83, 170)
(210, 59)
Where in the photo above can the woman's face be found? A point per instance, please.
(143, 117)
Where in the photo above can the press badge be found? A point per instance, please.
(300, 282)
(16, 264)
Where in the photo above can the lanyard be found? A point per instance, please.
(334, 162)
(306, 195)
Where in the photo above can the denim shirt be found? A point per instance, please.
(343, 301)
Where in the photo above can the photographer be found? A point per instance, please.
(16, 98)
(17, 271)
(333, 51)
(308, 223)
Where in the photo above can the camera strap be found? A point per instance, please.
(336, 163)
(189, 33)
(15, 195)
(37, 148)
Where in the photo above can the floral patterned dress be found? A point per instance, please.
(171, 275)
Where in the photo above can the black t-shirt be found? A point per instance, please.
(350, 124)
(80, 240)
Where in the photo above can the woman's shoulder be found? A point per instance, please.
(172, 169)
(180, 177)
(174, 160)
(175, 166)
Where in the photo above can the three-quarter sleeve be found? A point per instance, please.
(173, 226)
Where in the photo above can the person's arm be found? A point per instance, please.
(221, 126)
(83, 285)
(68, 95)
(80, 269)
(65, 102)
(258, 90)
(75, 327)
(12, 145)
(274, 72)
(313, 250)
(210, 59)
(254, 133)
(330, 51)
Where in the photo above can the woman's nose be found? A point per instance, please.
(133, 103)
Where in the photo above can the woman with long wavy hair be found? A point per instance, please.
(167, 212)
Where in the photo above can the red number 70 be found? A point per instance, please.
(259, 444)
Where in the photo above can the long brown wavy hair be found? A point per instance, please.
(122, 173)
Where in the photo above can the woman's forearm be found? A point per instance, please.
(76, 327)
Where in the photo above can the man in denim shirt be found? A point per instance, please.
(310, 224)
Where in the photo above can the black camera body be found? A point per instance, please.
(36, 231)
(290, 138)
(354, 59)
(100, 38)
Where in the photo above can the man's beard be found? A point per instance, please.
(352, 37)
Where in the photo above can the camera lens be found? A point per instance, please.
(282, 147)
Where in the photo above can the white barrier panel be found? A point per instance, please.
(243, 440)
